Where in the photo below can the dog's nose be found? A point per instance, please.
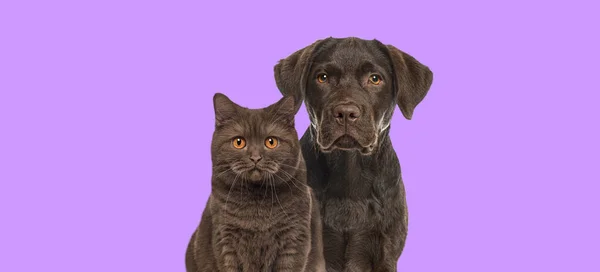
(255, 158)
(344, 113)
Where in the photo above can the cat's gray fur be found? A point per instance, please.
(261, 216)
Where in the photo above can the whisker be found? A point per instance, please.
(220, 174)
(293, 179)
(244, 182)
(288, 184)
(230, 187)
(282, 209)
(273, 174)
(271, 212)
(266, 187)
(293, 166)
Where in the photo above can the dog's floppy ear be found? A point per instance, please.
(291, 72)
(412, 79)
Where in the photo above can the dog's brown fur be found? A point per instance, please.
(351, 163)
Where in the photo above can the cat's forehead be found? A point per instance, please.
(258, 121)
(263, 121)
(254, 117)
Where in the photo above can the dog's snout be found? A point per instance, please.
(346, 113)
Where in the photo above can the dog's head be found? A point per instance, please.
(350, 87)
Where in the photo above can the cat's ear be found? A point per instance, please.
(285, 109)
(225, 109)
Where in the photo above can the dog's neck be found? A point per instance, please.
(350, 174)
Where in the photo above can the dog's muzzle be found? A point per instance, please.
(346, 127)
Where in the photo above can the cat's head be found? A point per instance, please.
(255, 145)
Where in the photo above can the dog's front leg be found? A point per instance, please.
(390, 248)
(386, 266)
(359, 257)
(387, 262)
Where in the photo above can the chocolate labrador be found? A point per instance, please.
(350, 87)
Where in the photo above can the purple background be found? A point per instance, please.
(106, 120)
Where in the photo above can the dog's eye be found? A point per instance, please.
(374, 79)
(239, 142)
(271, 142)
(322, 77)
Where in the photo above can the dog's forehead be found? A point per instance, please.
(351, 52)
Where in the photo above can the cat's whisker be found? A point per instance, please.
(274, 174)
(293, 180)
(273, 193)
(297, 166)
(223, 172)
(293, 167)
(246, 234)
(289, 175)
(244, 182)
(266, 187)
(230, 187)
(282, 209)
(288, 184)
(271, 213)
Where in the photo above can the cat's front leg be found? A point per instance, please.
(293, 256)
(228, 260)
(290, 260)
(226, 254)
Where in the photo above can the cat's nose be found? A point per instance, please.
(255, 158)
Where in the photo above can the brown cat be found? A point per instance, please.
(261, 215)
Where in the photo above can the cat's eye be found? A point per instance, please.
(375, 79)
(239, 142)
(322, 78)
(271, 142)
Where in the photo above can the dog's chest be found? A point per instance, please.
(343, 214)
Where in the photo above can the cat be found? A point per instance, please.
(261, 215)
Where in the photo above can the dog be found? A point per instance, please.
(350, 87)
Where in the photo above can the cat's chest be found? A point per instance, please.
(262, 218)
(257, 250)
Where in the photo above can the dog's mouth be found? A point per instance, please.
(347, 142)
